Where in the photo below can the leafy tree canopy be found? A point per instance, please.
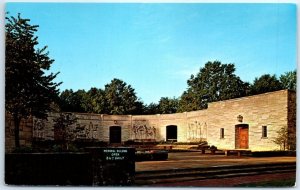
(121, 98)
(152, 108)
(28, 89)
(95, 101)
(72, 101)
(168, 105)
(116, 98)
(289, 80)
(265, 83)
(214, 82)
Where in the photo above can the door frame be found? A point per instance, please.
(171, 128)
(119, 128)
(237, 135)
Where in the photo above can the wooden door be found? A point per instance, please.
(243, 137)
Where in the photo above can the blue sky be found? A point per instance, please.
(156, 47)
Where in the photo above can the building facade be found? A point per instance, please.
(250, 122)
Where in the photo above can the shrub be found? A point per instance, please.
(23, 149)
(212, 147)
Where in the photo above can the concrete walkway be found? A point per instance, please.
(196, 160)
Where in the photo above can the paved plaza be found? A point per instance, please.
(196, 160)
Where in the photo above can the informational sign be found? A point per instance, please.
(115, 154)
(113, 165)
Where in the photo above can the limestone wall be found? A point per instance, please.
(274, 110)
(292, 120)
(25, 132)
(269, 109)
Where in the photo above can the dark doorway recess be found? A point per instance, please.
(242, 136)
(171, 133)
(115, 134)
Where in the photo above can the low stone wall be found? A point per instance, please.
(96, 167)
(273, 110)
(48, 169)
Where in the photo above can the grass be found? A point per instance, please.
(275, 183)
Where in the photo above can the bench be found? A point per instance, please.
(238, 151)
(203, 148)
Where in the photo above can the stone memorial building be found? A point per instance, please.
(250, 122)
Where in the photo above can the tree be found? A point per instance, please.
(72, 101)
(95, 101)
(29, 91)
(65, 100)
(214, 82)
(168, 105)
(117, 98)
(189, 101)
(152, 108)
(62, 130)
(282, 138)
(286, 138)
(289, 80)
(265, 83)
(80, 100)
(121, 98)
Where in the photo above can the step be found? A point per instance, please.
(212, 172)
(216, 167)
(228, 175)
(208, 171)
(217, 172)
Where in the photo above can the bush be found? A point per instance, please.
(183, 143)
(212, 147)
(43, 145)
(154, 155)
(23, 149)
(59, 146)
(89, 143)
(132, 142)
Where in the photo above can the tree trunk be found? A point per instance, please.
(17, 131)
